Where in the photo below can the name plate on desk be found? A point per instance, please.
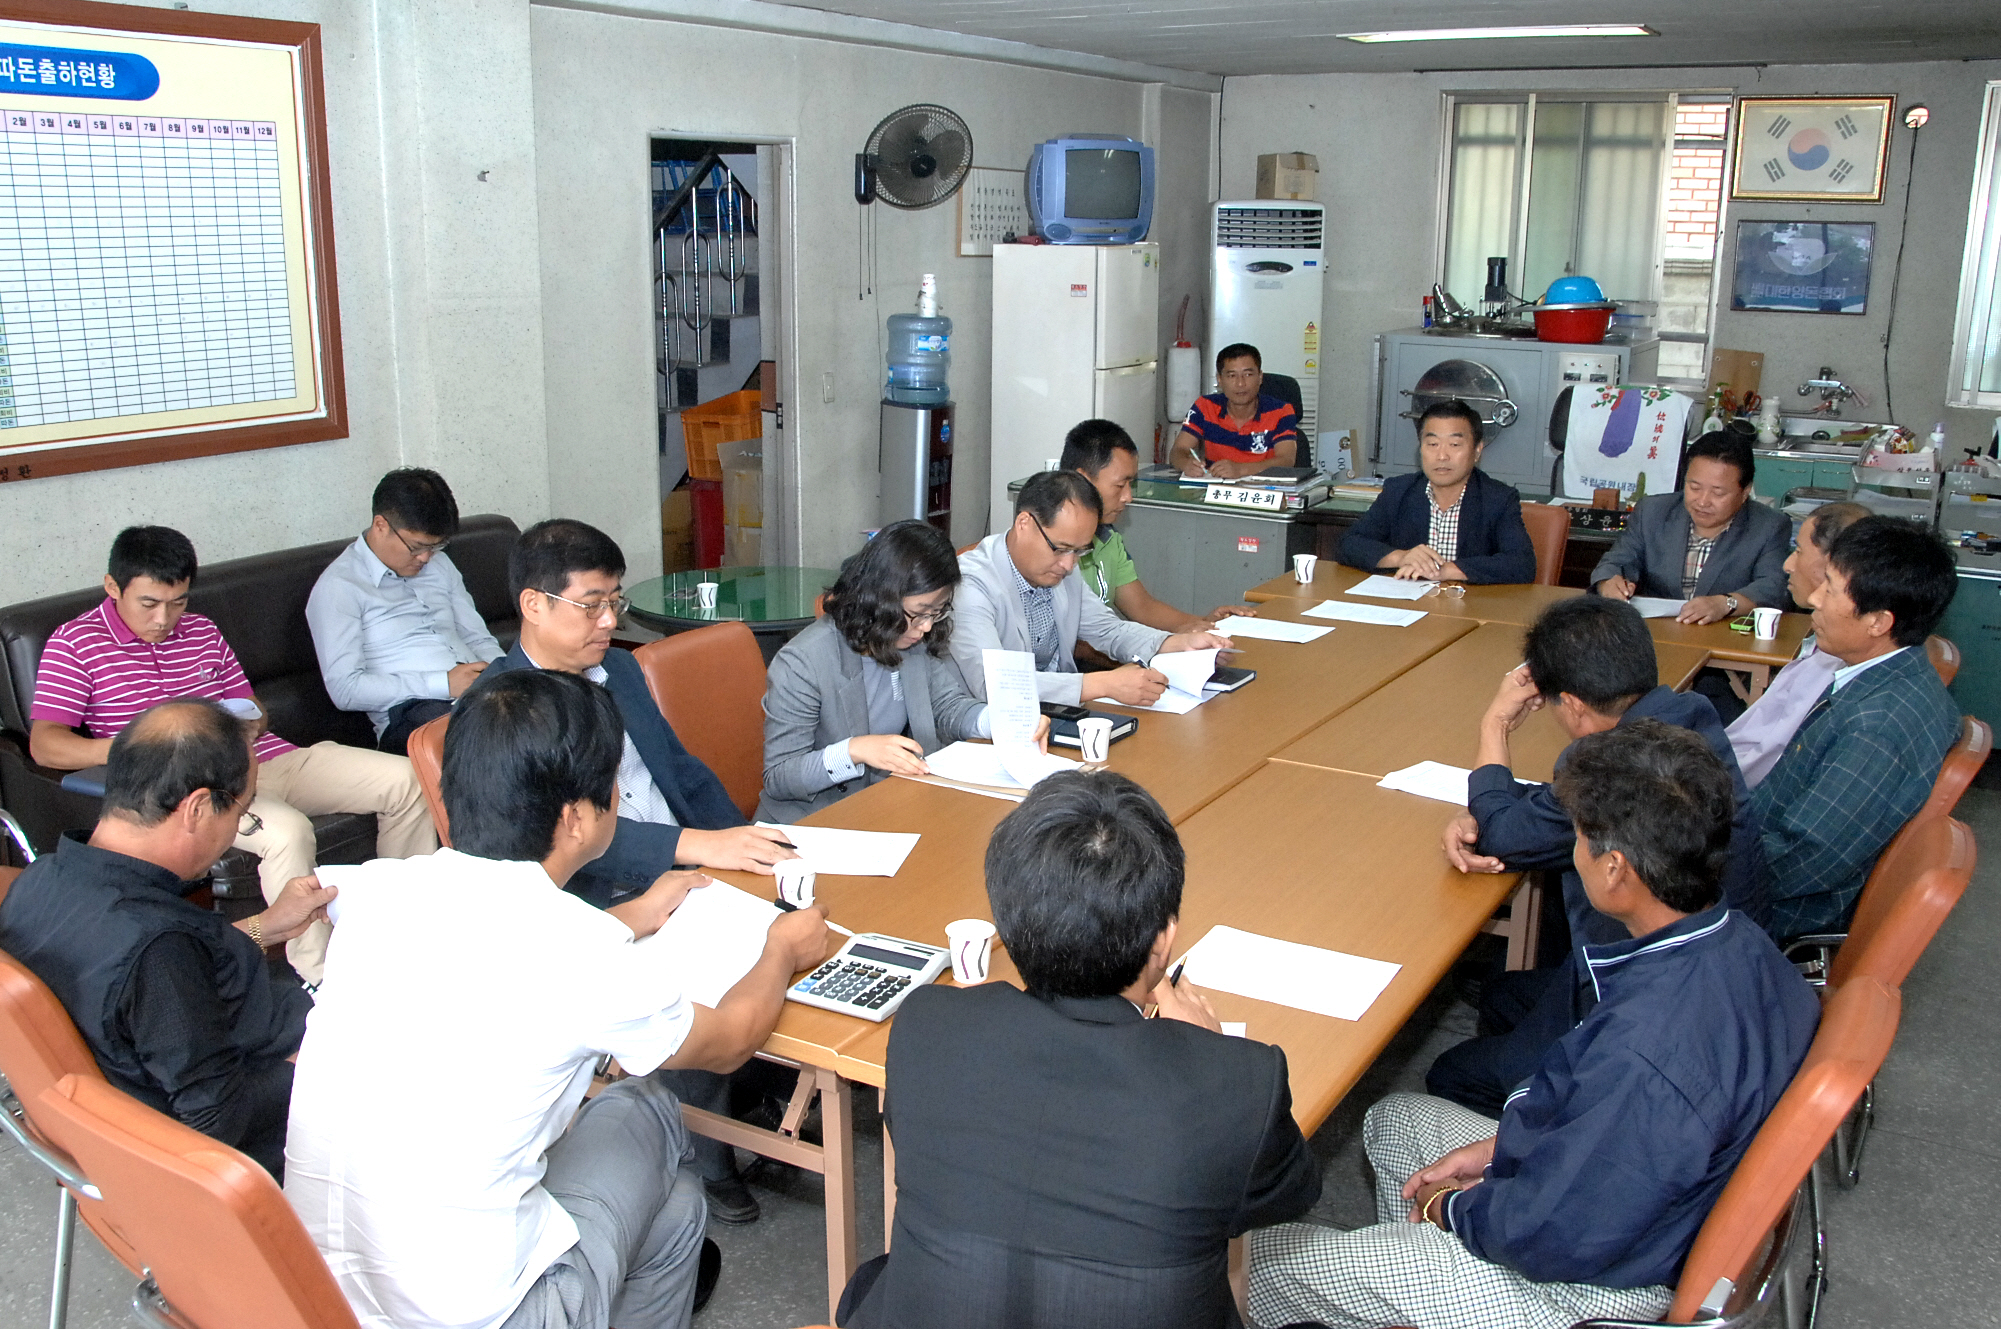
(1270, 500)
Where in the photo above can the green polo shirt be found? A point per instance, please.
(1107, 566)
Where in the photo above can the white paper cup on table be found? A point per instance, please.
(1094, 739)
(1765, 624)
(1053, 464)
(705, 593)
(795, 882)
(972, 944)
(1302, 567)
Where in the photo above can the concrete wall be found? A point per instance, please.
(1379, 140)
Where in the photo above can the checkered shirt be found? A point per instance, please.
(1444, 536)
(1692, 563)
(1038, 606)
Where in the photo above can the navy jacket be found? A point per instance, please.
(641, 851)
(1524, 827)
(1494, 545)
(1607, 1161)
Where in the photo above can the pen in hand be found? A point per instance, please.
(786, 908)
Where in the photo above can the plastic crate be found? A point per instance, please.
(727, 419)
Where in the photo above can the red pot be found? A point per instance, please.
(1573, 323)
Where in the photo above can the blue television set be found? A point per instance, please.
(1091, 189)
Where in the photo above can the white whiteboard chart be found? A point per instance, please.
(165, 278)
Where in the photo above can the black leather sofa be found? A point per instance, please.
(259, 603)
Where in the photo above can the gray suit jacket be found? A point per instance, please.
(987, 613)
(1749, 558)
(813, 696)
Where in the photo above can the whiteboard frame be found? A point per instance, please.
(205, 441)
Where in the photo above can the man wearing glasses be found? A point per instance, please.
(1021, 592)
(395, 630)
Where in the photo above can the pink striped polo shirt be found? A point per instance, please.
(96, 673)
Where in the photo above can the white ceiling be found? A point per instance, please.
(1235, 37)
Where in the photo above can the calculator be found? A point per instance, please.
(870, 976)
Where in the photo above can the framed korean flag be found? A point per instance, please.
(1824, 149)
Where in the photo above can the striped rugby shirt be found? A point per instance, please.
(97, 674)
(1253, 440)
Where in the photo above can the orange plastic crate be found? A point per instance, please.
(724, 420)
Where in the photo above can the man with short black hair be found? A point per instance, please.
(1104, 453)
(1582, 1201)
(1060, 1159)
(396, 632)
(141, 647)
(1448, 520)
(1865, 758)
(1021, 592)
(1236, 430)
(497, 1209)
(175, 1004)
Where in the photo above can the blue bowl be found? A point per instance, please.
(1573, 291)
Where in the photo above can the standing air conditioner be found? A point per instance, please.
(1264, 288)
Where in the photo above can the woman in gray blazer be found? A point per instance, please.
(869, 688)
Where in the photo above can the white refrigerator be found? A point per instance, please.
(1075, 337)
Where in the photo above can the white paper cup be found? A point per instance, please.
(972, 943)
(1053, 464)
(1765, 624)
(1302, 567)
(1094, 738)
(705, 593)
(795, 882)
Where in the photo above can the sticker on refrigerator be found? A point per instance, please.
(1312, 338)
(1080, 290)
(1248, 544)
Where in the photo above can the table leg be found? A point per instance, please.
(1240, 1278)
(1746, 680)
(888, 1186)
(837, 1130)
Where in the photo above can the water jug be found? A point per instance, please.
(920, 352)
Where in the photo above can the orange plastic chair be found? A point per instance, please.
(426, 749)
(709, 683)
(221, 1246)
(1913, 886)
(1549, 532)
(7, 876)
(1961, 764)
(1944, 657)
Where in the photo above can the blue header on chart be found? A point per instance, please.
(54, 71)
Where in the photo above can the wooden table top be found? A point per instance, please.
(1432, 713)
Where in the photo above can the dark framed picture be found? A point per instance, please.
(1802, 267)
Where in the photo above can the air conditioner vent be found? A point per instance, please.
(1268, 228)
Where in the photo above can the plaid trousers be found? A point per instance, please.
(1402, 1273)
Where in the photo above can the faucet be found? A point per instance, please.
(1832, 392)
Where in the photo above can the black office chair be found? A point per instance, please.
(1286, 388)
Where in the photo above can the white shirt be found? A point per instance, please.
(639, 798)
(1847, 673)
(384, 639)
(427, 1092)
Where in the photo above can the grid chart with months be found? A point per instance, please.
(142, 266)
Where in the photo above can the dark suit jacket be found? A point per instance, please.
(1064, 1162)
(1749, 558)
(641, 851)
(1494, 546)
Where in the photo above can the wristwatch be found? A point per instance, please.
(1730, 604)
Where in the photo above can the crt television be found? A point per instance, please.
(1091, 189)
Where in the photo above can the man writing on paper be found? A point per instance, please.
(1449, 521)
(1061, 1160)
(1591, 661)
(492, 1207)
(1021, 592)
(1582, 1200)
(1237, 430)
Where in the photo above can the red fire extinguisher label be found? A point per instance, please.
(1248, 544)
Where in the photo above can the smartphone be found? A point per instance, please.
(1057, 710)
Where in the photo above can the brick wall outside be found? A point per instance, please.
(1695, 184)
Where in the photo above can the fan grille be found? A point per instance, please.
(920, 155)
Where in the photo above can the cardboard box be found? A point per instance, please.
(1288, 175)
(677, 531)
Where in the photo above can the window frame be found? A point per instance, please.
(1983, 234)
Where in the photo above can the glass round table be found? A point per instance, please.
(774, 603)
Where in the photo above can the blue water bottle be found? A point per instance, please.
(920, 352)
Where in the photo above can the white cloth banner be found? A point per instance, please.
(1619, 433)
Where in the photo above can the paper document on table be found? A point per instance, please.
(1653, 606)
(712, 940)
(1269, 629)
(1379, 614)
(1287, 973)
(842, 853)
(1187, 672)
(1012, 701)
(1389, 588)
(1434, 779)
(986, 764)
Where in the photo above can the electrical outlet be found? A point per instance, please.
(826, 387)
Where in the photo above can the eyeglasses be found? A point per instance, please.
(249, 824)
(421, 551)
(1451, 590)
(594, 609)
(1061, 551)
(929, 619)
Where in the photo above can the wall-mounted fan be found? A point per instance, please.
(915, 158)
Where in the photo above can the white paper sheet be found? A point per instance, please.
(1379, 614)
(1012, 701)
(1389, 588)
(1434, 779)
(1653, 606)
(984, 763)
(1270, 629)
(842, 853)
(1187, 675)
(1288, 973)
(712, 940)
(1235, 1028)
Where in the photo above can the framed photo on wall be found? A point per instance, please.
(1821, 149)
(1803, 267)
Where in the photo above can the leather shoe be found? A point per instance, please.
(730, 1201)
(706, 1274)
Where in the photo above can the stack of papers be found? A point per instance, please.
(1653, 606)
(1287, 973)
(1004, 772)
(712, 940)
(1269, 629)
(838, 853)
(1434, 779)
(1389, 588)
(1379, 614)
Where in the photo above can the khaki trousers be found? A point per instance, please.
(315, 781)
